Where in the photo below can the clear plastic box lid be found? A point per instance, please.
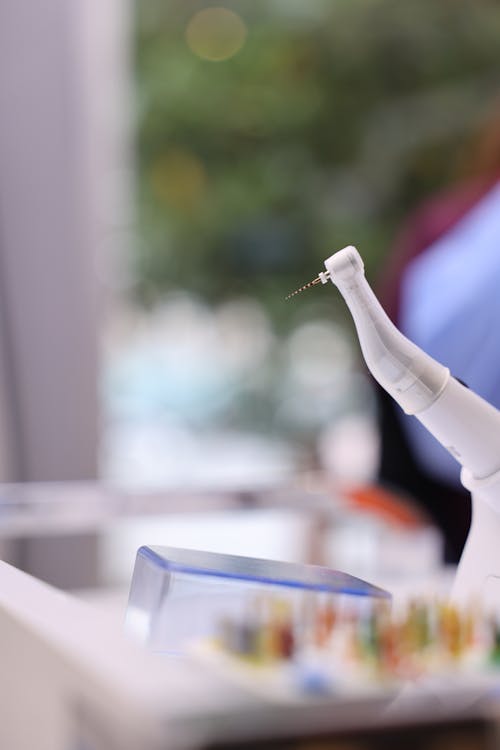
(178, 595)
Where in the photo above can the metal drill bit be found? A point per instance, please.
(321, 279)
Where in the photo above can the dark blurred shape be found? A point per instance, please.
(440, 287)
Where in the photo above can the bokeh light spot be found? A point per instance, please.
(178, 179)
(215, 33)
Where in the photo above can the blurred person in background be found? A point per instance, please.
(441, 288)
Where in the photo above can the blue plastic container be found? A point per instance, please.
(178, 596)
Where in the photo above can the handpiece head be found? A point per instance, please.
(339, 266)
(344, 264)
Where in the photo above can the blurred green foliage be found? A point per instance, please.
(333, 120)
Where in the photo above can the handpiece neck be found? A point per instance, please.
(409, 375)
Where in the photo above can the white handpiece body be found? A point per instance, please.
(464, 423)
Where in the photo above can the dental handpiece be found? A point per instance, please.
(463, 422)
